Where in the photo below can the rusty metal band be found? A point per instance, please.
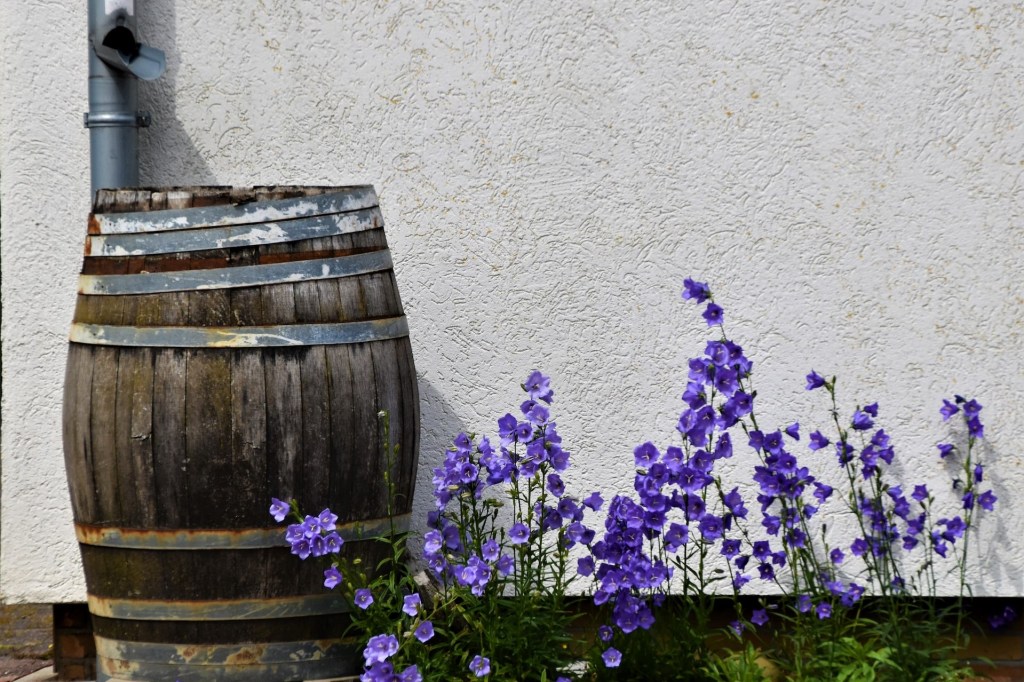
(219, 609)
(344, 665)
(348, 199)
(224, 654)
(256, 234)
(241, 337)
(236, 277)
(207, 539)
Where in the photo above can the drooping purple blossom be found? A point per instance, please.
(538, 387)
(814, 380)
(411, 604)
(332, 577)
(279, 509)
(698, 292)
(861, 421)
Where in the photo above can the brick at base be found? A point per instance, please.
(74, 650)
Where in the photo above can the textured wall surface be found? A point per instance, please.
(847, 175)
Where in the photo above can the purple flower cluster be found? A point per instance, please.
(379, 649)
(648, 535)
(679, 514)
(681, 509)
(974, 471)
(1002, 619)
(526, 468)
(315, 536)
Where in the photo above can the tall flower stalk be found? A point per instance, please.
(658, 542)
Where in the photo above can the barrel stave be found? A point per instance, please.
(77, 434)
(208, 468)
(169, 443)
(249, 435)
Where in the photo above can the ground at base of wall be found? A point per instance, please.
(18, 668)
(26, 638)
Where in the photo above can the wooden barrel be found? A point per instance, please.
(229, 346)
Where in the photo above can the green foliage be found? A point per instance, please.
(675, 648)
(746, 665)
(889, 640)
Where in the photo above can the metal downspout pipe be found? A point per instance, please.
(116, 61)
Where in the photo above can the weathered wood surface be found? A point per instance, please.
(179, 439)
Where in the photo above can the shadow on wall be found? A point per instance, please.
(167, 155)
(438, 427)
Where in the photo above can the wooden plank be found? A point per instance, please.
(76, 423)
(141, 582)
(327, 290)
(170, 461)
(246, 307)
(378, 294)
(208, 452)
(170, 308)
(410, 420)
(158, 200)
(315, 461)
(350, 299)
(330, 301)
(135, 265)
(209, 308)
(388, 380)
(365, 484)
(344, 466)
(102, 428)
(282, 374)
(127, 477)
(249, 437)
(141, 438)
(315, 427)
(307, 303)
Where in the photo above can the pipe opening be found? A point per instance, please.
(123, 40)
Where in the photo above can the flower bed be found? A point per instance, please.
(509, 540)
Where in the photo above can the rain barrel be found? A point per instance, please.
(230, 345)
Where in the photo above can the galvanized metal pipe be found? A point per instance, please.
(116, 61)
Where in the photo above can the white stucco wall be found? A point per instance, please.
(847, 175)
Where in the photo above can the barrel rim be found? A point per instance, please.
(204, 654)
(160, 220)
(217, 609)
(236, 276)
(233, 236)
(256, 336)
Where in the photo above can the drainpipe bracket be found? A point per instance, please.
(120, 119)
